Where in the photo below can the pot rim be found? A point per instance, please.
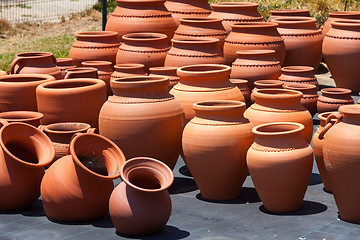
(53, 86)
(270, 82)
(345, 23)
(256, 52)
(297, 69)
(196, 40)
(160, 69)
(38, 77)
(129, 66)
(219, 105)
(335, 91)
(144, 36)
(97, 34)
(25, 116)
(200, 20)
(257, 129)
(80, 69)
(277, 94)
(238, 80)
(281, 11)
(234, 4)
(254, 25)
(213, 68)
(138, 81)
(48, 129)
(344, 13)
(324, 115)
(33, 55)
(299, 86)
(293, 20)
(96, 63)
(353, 109)
(64, 60)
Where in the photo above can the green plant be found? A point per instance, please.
(111, 5)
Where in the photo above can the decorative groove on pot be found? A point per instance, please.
(97, 47)
(273, 150)
(165, 15)
(273, 110)
(191, 12)
(217, 124)
(145, 51)
(252, 19)
(210, 90)
(342, 102)
(104, 74)
(150, 101)
(277, 42)
(343, 37)
(199, 56)
(310, 96)
(258, 65)
(201, 35)
(304, 34)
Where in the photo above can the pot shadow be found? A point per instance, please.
(315, 179)
(339, 217)
(329, 192)
(322, 69)
(247, 195)
(185, 171)
(35, 210)
(307, 208)
(168, 233)
(183, 185)
(104, 222)
(316, 121)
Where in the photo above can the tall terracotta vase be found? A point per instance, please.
(169, 72)
(310, 95)
(341, 15)
(104, 70)
(29, 117)
(288, 13)
(299, 74)
(128, 70)
(218, 137)
(265, 84)
(81, 72)
(332, 98)
(241, 84)
(64, 64)
(280, 163)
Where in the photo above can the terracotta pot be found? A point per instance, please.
(128, 70)
(194, 51)
(77, 187)
(204, 82)
(2, 73)
(280, 163)
(288, 13)
(29, 117)
(332, 98)
(81, 72)
(188, 9)
(35, 63)
(253, 36)
(94, 46)
(72, 100)
(141, 205)
(241, 84)
(146, 48)
(255, 65)
(169, 72)
(104, 71)
(64, 64)
(276, 105)
(265, 84)
(148, 120)
(218, 137)
(18, 91)
(141, 16)
(299, 74)
(310, 95)
(341, 15)
(235, 12)
(24, 153)
(303, 41)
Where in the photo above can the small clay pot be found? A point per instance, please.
(332, 98)
(241, 84)
(288, 13)
(265, 84)
(63, 64)
(169, 72)
(81, 72)
(341, 15)
(299, 74)
(104, 71)
(128, 70)
(29, 117)
(310, 95)
(2, 73)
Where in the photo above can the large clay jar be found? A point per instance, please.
(35, 63)
(104, 71)
(128, 70)
(24, 153)
(299, 74)
(141, 204)
(148, 120)
(254, 36)
(280, 163)
(72, 100)
(241, 84)
(169, 72)
(132, 16)
(81, 72)
(77, 187)
(146, 48)
(303, 41)
(236, 12)
(190, 51)
(18, 91)
(288, 13)
(277, 105)
(204, 82)
(218, 137)
(254, 65)
(29, 117)
(265, 84)
(64, 64)
(310, 95)
(341, 15)
(94, 46)
(332, 98)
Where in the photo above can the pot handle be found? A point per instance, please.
(91, 130)
(329, 124)
(3, 122)
(68, 75)
(13, 64)
(41, 128)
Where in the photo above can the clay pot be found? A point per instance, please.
(18, 91)
(29, 117)
(169, 72)
(265, 84)
(141, 16)
(148, 120)
(341, 15)
(64, 64)
(146, 48)
(35, 63)
(128, 70)
(81, 72)
(280, 163)
(191, 51)
(236, 12)
(241, 84)
(218, 137)
(299, 74)
(95, 46)
(276, 105)
(204, 82)
(72, 100)
(332, 98)
(141, 205)
(104, 71)
(310, 95)
(303, 41)
(24, 153)
(288, 13)
(255, 65)
(77, 187)
(2, 73)
(253, 36)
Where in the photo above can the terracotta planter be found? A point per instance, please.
(235, 12)
(81, 72)
(253, 36)
(303, 41)
(2, 73)
(254, 65)
(265, 84)
(77, 187)
(299, 74)
(310, 95)
(241, 84)
(276, 105)
(94, 46)
(128, 70)
(280, 163)
(104, 70)
(218, 137)
(141, 16)
(72, 100)
(29, 117)
(288, 13)
(169, 72)
(64, 64)
(204, 82)
(18, 91)
(148, 120)
(332, 98)
(341, 15)
(194, 51)
(141, 205)
(35, 63)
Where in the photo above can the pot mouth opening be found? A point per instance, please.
(346, 23)
(34, 54)
(97, 34)
(140, 79)
(238, 81)
(129, 66)
(218, 105)
(67, 127)
(144, 36)
(16, 78)
(204, 68)
(19, 116)
(268, 83)
(278, 128)
(196, 40)
(64, 84)
(277, 94)
(353, 109)
(297, 69)
(254, 25)
(200, 20)
(96, 63)
(294, 20)
(256, 52)
(81, 69)
(336, 91)
(344, 13)
(235, 4)
(299, 86)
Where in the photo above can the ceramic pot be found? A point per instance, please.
(29, 117)
(18, 91)
(128, 70)
(141, 205)
(288, 13)
(169, 72)
(303, 41)
(141, 16)
(218, 137)
(24, 153)
(77, 187)
(310, 95)
(104, 71)
(341, 15)
(94, 46)
(35, 63)
(253, 36)
(146, 118)
(265, 84)
(276, 105)
(72, 100)
(280, 163)
(241, 84)
(146, 48)
(332, 98)
(299, 74)
(64, 64)
(194, 51)
(2, 73)
(81, 72)
(204, 82)
(255, 65)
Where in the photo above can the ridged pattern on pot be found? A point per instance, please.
(341, 15)
(299, 74)
(332, 98)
